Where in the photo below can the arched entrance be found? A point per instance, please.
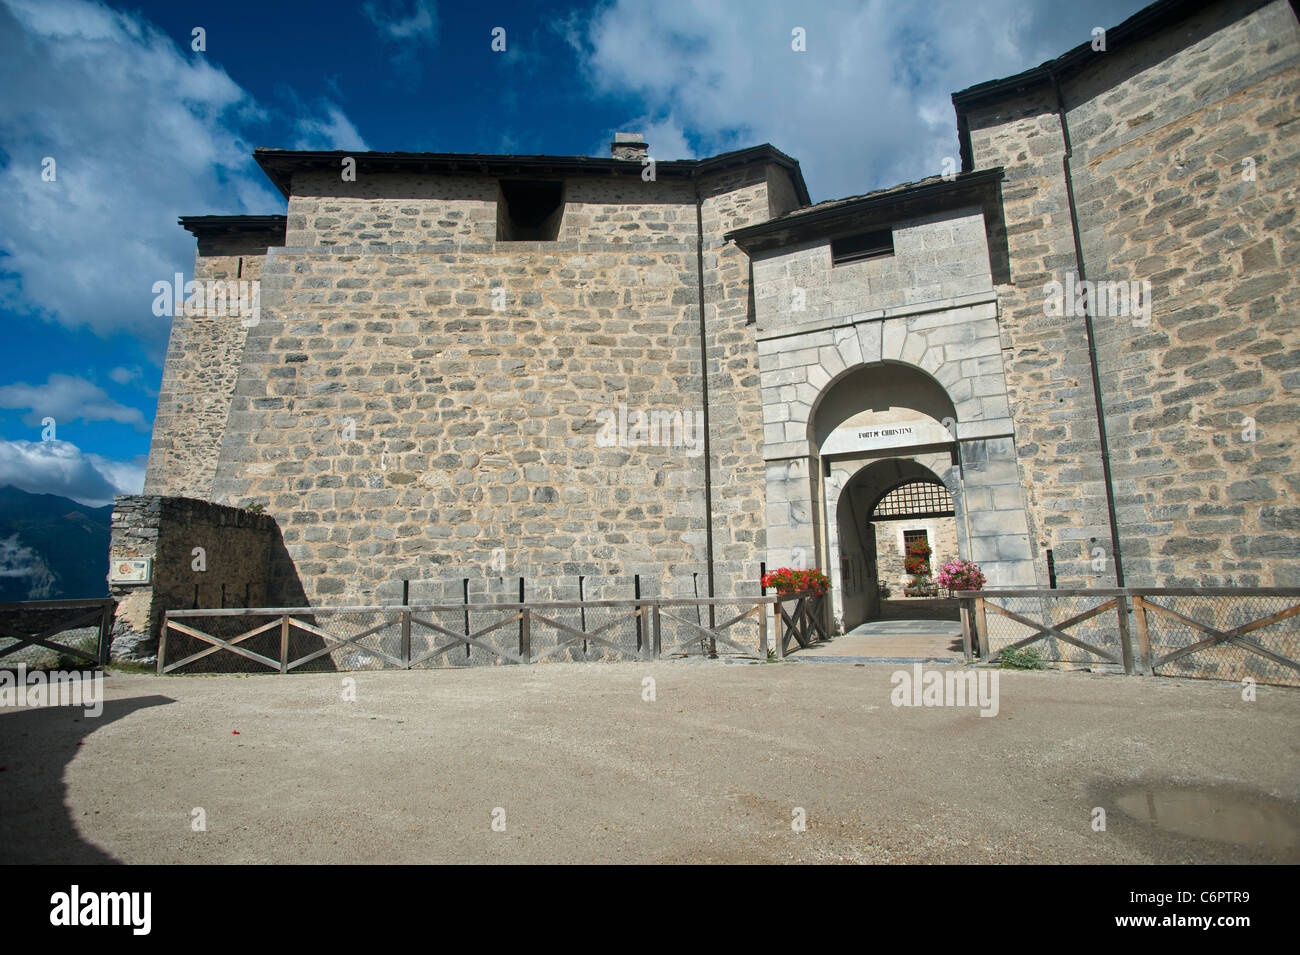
(883, 508)
(891, 476)
(887, 407)
(900, 504)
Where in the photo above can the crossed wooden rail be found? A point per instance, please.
(648, 613)
(976, 605)
(100, 612)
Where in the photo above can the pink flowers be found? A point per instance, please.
(960, 574)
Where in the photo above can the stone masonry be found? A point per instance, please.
(425, 399)
(1183, 166)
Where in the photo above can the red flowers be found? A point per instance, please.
(917, 561)
(788, 581)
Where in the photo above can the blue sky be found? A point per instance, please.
(142, 128)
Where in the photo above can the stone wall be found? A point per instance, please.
(1197, 402)
(952, 341)
(423, 403)
(939, 257)
(203, 355)
(240, 564)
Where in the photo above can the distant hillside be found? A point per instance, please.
(51, 548)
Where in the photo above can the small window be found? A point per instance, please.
(529, 210)
(865, 245)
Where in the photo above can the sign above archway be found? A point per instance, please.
(850, 438)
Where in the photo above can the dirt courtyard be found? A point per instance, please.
(574, 764)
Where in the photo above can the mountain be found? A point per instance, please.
(51, 548)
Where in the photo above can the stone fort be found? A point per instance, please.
(1078, 346)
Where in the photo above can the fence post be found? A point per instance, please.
(106, 630)
(964, 605)
(656, 633)
(981, 629)
(406, 639)
(162, 645)
(762, 631)
(1143, 635)
(1125, 639)
(284, 644)
(525, 635)
(640, 615)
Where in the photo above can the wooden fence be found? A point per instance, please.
(28, 630)
(285, 639)
(1223, 633)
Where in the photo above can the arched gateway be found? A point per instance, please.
(896, 451)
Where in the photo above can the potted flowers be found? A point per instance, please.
(788, 581)
(917, 563)
(960, 574)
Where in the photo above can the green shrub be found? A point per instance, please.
(1021, 658)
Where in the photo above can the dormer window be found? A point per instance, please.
(529, 209)
(864, 245)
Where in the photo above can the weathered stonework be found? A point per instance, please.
(1160, 134)
(235, 565)
(424, 401)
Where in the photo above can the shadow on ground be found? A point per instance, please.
(36, 746)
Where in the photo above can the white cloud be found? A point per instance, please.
(67, 398)
(141, 130)
(397, 21)
(60, 467)
(335, 131)
(410, 31)
(866, 105)
(124, 376)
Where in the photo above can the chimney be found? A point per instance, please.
(629, 146)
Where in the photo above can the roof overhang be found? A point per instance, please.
(230, 235)
(280, 165)
(204, 227)
(980, 188)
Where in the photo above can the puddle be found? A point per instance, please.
(1239, 818)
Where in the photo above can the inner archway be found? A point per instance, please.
(881, 508)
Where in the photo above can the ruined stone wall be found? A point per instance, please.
(1159, 136)
(238, 551)
(203, 355)
(421, 402)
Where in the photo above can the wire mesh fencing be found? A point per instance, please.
(1222, 635)
(1064, 625)
(1218, 633)
(55, 634)
(286, 639)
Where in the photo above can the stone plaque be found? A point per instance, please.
(132, 570)
(898, 434)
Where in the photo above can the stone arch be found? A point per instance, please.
(856, 487)
(945, 364)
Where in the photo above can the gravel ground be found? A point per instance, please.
(713, 770)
